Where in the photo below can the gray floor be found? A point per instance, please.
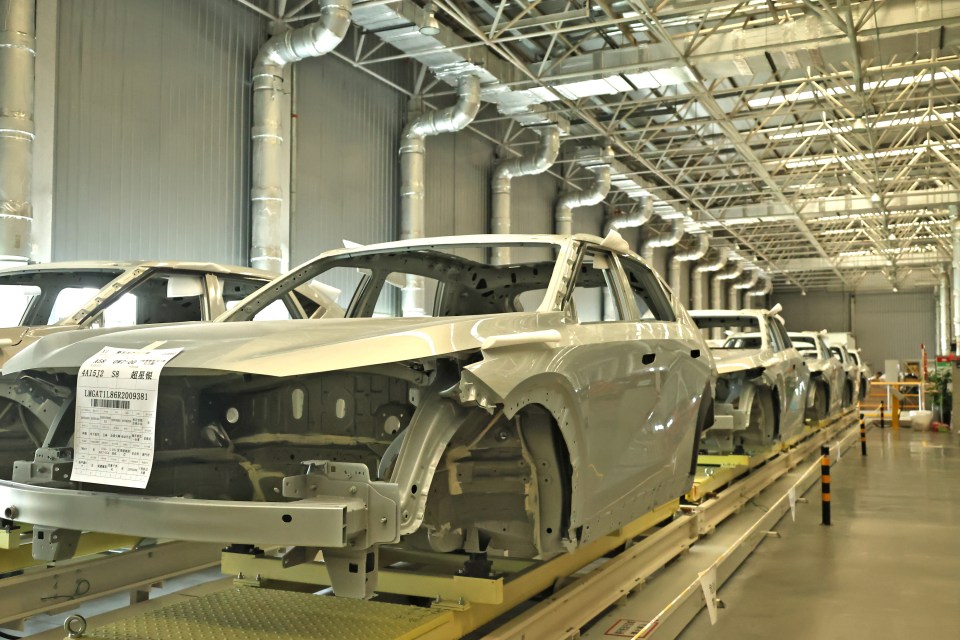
(889, 567)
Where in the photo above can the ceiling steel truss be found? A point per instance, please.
(820, 136)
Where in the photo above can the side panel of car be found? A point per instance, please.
(796, 382)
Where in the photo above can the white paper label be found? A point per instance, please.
(792, 499)
(708, 582)
(117, 415)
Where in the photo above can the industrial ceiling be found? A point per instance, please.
(819, 137)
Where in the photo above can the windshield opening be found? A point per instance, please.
(731, 332)
(430, 281)
(46, 297)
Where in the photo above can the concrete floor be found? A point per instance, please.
(889, 567)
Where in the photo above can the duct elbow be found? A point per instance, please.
(720, 262)
(751, 280)
(765, 289)
(669, 239)
(700, 250)
(449, 120)
(311, 41)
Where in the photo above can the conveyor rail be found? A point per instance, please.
(485, 607)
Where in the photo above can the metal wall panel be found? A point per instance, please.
(347, 174)
(891, 326)
(814, 311)
(152, 120)
(458, 170)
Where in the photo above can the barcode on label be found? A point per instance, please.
(110, 404)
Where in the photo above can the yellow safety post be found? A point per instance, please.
(895, 413)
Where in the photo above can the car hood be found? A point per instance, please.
(732, 360)
(284, 347)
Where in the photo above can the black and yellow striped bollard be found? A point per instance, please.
(825, 483)
(863, 435)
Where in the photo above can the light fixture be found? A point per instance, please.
(892, 236)
(895, 290)
(428, 24)
(874, 198)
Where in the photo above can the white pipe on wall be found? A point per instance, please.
(698, 296)
(413, 172)
(17, 63)
(267, 189)
(533, 163)
(594, 194)
(695, 253)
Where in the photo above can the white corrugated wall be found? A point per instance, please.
(152, 129)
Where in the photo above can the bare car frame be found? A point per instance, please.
(763, 384)
(44, 299)
(827, 375)
(515, 417)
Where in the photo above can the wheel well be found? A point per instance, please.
(545, 441)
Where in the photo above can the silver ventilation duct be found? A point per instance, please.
(668, 239)
(732, 272)
(737, 287)
(598, 161)
(450, 57)
(533, 163)
(695, 253)
(697, 299)
(267, 190)
(413, 172)
(955, 229)
(943, 321)
(17, 57)
(637, 218)
(764, 290)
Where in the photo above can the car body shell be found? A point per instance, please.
(193, 291)
(852, 372)
(827, 373)
(768, 371)
(524, 433)
(123, 277)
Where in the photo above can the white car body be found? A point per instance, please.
(851, 369)
(511, 411)
(826, 373)
(763, 381)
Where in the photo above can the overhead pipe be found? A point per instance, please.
(765, 290)
(668, 239)
(17, 61)
(955, 228)
(943, 321)
(594, 194)
(732, 272)
(267, 192)
(737, 287)
(635, 219)
(537, 161)
(413, 172)
(698, 296)
(695, 253)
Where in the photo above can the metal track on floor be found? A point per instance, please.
(463, 606)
